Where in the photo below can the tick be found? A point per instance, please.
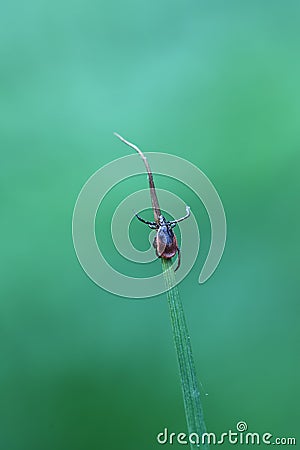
(165, 242)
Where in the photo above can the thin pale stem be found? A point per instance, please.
(188, 378)
(154, 199)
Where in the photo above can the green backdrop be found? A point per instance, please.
(217, 84)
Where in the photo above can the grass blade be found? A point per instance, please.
(188, 378)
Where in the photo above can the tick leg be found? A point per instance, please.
(178, 260)
(188, 213)
(151, 224)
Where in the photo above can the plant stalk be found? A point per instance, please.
(187, 371)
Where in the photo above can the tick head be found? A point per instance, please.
(162, 220)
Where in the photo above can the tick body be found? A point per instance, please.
(165, 242)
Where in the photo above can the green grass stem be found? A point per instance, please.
(188, 378)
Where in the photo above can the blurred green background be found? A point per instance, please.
(217, 84)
